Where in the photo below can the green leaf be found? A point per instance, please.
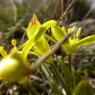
(52, 82)
(85, 41)
(83, 88)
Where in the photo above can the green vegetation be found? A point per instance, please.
(52, 53)
(15, 67)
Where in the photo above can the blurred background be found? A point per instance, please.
(13, 10)
(16, 14)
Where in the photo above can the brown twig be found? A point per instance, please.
(62, 2)
(67, 9)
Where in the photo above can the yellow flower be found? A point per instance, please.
(14, 42)
(74, 42)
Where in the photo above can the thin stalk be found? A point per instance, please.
(67, 10)
(71, 75)
(57, 73)
(52, 82)
(70, 62)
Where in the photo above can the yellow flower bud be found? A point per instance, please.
(14, 68)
